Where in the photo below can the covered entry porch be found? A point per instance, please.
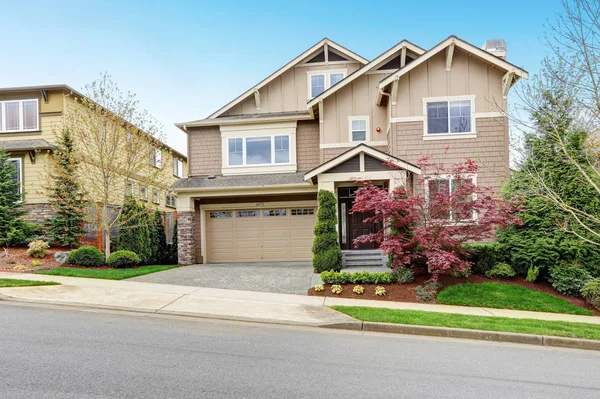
(343, 176)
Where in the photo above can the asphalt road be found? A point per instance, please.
(57, 353)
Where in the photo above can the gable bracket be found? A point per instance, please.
(403, 57)
(326, 52)
(508, 80)
(257, 99)
(395, 89)
(449, 56)
(45, 96)
(31, 154)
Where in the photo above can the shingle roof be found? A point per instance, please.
(248, 117)
(26, 145)
(273, 179)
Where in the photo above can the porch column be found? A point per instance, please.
(185, 230)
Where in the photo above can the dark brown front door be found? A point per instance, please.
(351, 224)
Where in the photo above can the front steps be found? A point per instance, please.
(363, 258)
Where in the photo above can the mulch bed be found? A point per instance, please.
(17, 257)
(406, 292)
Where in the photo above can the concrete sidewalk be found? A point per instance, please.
(229, 304)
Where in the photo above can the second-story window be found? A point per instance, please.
(452, 116)
(318, 82)
(260, 150)
(19, 115)
(144, 193)
(359, 128)
(177, 167)
(156, 197)
(129, 189)
(156, 158)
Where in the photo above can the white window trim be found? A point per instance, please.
(173, 202)
(20, 160)
(368, 132)
(176, 162)
(157, 201)
(143, 197)
(128, 192)
(445, 136)
(327, 73)
(272, 138)
(472, 176)
(21, 115)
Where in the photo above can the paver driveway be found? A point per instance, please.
(280, 277)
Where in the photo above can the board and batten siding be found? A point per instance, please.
(287, 92)
(468, 76)
(355, 99)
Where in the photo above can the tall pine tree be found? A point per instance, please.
(65, 193)
(13, 229)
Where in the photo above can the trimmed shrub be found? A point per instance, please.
(333, 277)
(428, 291)
(86, 256)
(358, 289)
(38, 249)
(124, 258)
(403, 276)
(327, 254)
(569, 279)
(484, 256)
(501, 270)
(532, 274)
(591, 292)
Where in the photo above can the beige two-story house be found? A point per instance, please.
(325, 119)
(30, 119)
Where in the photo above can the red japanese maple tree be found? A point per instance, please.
(425, 227)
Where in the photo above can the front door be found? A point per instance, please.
(351, 224)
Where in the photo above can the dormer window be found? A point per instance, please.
(19, 116)
(320, 81)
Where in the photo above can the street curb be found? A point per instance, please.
(480, 335)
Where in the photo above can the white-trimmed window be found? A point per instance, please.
(156, 197)
(144, 193)
(177, 167)
(19, 115)
(319, 81)
(446, 185)
(257, 151)
(129, 189)
(359, 128)
(171, 200)
(156, 158)
(449, 116)
(18, 163)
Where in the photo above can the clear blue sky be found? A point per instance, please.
(185, 59)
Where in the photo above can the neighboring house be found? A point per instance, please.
(30, 118)
(326, 118)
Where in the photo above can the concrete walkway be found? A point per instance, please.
(228, 304)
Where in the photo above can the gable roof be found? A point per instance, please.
(375, 153)
(468, 47)
(285, 68)
(361, 71)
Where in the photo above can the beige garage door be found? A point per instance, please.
(253, 235)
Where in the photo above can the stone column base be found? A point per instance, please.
(185, 238)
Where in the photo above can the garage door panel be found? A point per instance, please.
(275, 235)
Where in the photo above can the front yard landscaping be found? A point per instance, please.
(501, 324)
(104, 272)
(506, 296)
(9, 282)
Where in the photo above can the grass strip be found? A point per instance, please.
(507, 296)
(9, 282)
(487, 323)
(108, 274)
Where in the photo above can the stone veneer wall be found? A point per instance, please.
(185, 237)
(490, 149)
(38, 213)
(197, 233)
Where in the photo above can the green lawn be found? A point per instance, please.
(507, 296)
(109, 274)
(9, 282)
(502, 324)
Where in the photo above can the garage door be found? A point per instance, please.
(253, 235)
